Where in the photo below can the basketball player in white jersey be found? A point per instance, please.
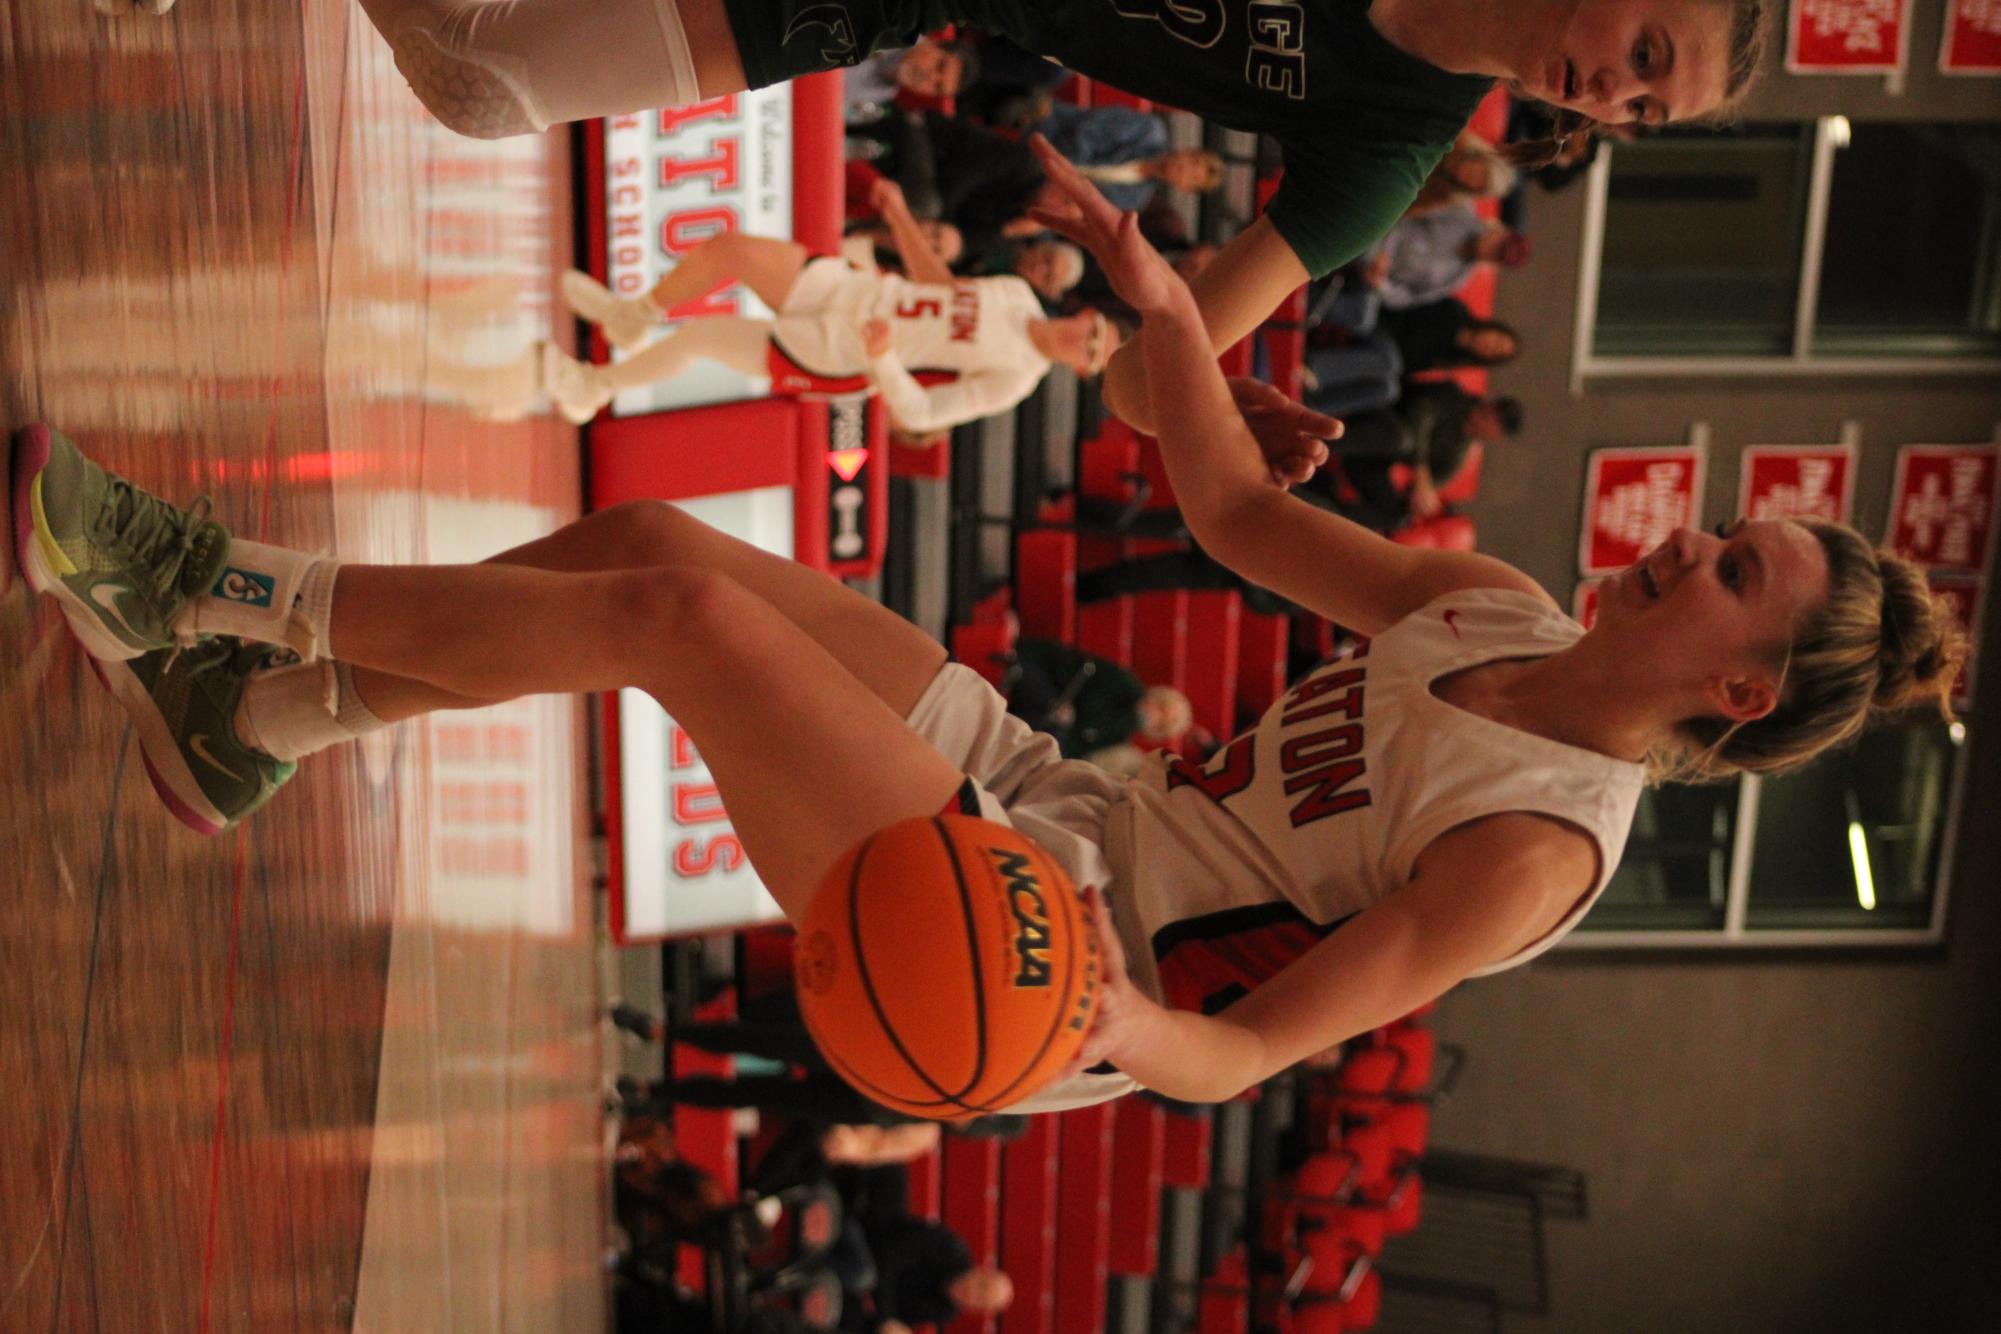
(1445, 804)
(941, 350)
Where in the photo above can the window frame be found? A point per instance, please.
(1586, 366)
(1735, 932)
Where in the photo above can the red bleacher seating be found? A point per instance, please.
(1083, 1217)
(1185, 1152)
(1045, 580)
(971, 1207)
(1139, 1139)
(1028, 1227)
(1214, 643)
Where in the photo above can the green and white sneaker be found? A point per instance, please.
(183, 705)
(122, 563)
(625, 321)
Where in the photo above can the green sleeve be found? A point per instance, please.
(1340, 198)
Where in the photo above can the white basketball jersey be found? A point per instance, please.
(1240, 865)
(972, 325)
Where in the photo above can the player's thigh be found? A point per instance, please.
(889, 656)
(807, 758)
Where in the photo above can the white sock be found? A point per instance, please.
(290, 712)
(273, 595)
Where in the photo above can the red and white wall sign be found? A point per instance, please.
(1633, 499)
(1972, 42)
(1847, 36)
(676, 177)
(1796, 482)
(1942, 506)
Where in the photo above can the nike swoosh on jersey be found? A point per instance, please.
(1449, 617)
(106, 597)
(198, 743)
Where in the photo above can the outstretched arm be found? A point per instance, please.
(920, 261)
(1320, 560)
(1242, 285)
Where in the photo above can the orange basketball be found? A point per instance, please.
(947, 968)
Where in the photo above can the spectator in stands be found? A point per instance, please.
(931, 69)
(769, 1028)
(1391, 85)
(838, 331)
(1430, 436)
(1362, 373)
(1013, 91)
(1053, 267)
(980, 182)
(1088, 702)
(874, 244)
(1445, 335)
(1429, 256)
(1127, 153)
(1471, 171)
(908, 1270)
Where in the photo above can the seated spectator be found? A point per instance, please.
(1429, 256)
(770, 1028)
(924, 1275)
(1431, 434)
(1052, 267)
(931, 69)
(955, 171)
(1088, 702)
(1012, 92)
(1127, 154)
(1445, 335)
(1362, 372)
(1471, 170)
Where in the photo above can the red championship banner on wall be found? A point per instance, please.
(1796, 482)
(1942, 506)
(1962, 593)
(1972, 42)
(1847, 36)
(1584, 602)
(1634, 498)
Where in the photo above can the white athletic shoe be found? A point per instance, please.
(127, 6)
(625, 322)
(577, 389)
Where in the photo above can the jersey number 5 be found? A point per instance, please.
(1196, 22)
(918, 307)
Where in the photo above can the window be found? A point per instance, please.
(1848, 851)
(1820, 248)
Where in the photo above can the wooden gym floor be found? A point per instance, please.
(338, 1068)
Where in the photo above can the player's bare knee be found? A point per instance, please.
(686, 603)
(651, 531)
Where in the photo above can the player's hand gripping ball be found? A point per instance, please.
(947, 967)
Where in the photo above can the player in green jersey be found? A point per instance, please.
(1364, 96)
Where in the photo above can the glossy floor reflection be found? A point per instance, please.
(337, 1069)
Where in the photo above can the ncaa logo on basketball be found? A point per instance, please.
(252, 590)
(1031, 918)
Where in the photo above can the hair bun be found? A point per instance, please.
(1922, 646)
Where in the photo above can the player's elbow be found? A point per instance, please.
(1125, 386)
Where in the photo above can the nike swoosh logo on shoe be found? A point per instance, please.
(106, 597)
(198, 743)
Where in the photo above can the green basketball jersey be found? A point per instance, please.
(1361, 122)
